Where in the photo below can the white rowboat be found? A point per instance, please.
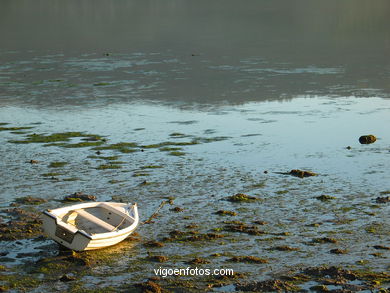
(88, 226)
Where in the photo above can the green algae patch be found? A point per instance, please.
(79, 196)
(149, 287)
(169, 143)
(23, 224)
(324, 240)
(248, 259)
(123, 147)
(55, 137)
(240, 197)
(151, 167)
(198, 261)
(15, 128)
(57, 164)
(170, 149)
(108, 158)
(153, 243)
(29, 200)
(177, 154)
(226, 213)
(157, 258)
(243, 228)
(108, 166)
(284, 248)
(19, 282)
(191, 236)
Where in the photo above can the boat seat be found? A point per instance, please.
(88, 216)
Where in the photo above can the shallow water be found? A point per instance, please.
(306, 133)
(265, 86)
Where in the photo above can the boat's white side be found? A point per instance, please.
(71, 237)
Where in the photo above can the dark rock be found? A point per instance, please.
(367, 139)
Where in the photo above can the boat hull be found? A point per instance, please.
(79, 240)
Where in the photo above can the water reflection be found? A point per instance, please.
(99, 52)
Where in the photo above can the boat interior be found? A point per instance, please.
(99, 219)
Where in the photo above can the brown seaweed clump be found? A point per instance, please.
(324, 240)
(190, 236)
(79, 196)
(177, 209)
(243, 228)
(149, 287)
(153, 243)
(367, 139)
(285, 248)
(268, 286)
(301, 173)
(227, 213)
(325, 197)
(198, 260)
(249, 259)
(240, 197)
(23, 225)
(158, 258)
(29, 200)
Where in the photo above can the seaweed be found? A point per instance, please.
(240, 197)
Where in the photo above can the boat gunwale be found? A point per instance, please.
(98, 236)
